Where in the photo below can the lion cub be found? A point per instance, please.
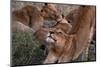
(33, 16)
(29, 16)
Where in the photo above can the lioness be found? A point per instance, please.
(29, 16)
(77, 40)
(50, 11)
(33, 16)
(83, 28)
(61, 46)
(60, 25)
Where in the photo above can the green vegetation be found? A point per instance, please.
(26, 49)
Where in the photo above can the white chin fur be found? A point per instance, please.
(50, 40)
(48, 34)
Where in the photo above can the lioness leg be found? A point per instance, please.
(64, 58)
(51, 58)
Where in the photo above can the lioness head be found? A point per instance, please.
(61, 46)
(49, 11)
(55, 36)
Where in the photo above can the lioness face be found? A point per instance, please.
(55, 36)
(49, 11)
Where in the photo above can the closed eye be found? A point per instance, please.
(59, 32)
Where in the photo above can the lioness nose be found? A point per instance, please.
(51, 32)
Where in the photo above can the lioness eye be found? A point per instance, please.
(60, 32)
(51, 32)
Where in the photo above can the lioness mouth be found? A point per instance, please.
(50, 38)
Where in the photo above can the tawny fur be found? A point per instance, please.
(80, 34)
(63, 26)
(29, 16)
(62, 49)
(82, 28)
(32, 16)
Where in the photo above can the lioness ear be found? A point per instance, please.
(63, 16)
(45, 4)
(41, 10)
(83, 6)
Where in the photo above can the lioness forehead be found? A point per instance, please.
(51, 6)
